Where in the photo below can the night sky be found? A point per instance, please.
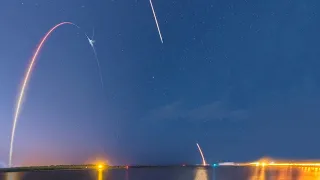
(240, 77)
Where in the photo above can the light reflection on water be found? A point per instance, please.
(285, 173)
(13, 176)
(242, 173)
(116, 174)
(100, 174)
(201, 174)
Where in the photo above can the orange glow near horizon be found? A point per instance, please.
(100, 166)
(270, 162)
(285, 164)
(98, 159)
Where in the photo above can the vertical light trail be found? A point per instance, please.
(26, 80)
(203, 160)
(155, 18)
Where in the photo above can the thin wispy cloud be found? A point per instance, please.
(213, 111)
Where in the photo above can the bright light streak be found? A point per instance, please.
(202, 156)
(26, 80)
(91, 42)
(155, 18)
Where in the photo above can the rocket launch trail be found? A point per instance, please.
(155, 18)
(26, 80)
(202, 156)
(91, 42)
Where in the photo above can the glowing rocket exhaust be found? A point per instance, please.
(27, 76)
(203, 160)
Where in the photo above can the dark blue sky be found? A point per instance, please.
(238, 76)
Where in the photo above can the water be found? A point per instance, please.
(183, 173)
(116, 174)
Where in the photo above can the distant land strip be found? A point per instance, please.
(86, 167)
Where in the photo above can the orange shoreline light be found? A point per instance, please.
(284, 164)
(100, 166)
(265, 162)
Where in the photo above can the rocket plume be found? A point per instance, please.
(203, 160)
(26, 80)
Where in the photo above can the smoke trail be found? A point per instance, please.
(203, 160)
(27, 79)
(155, 18)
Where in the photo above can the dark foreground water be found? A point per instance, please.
(183, 173)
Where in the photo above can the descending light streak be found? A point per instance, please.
(203, 160)
(91, 42)
(26, 81)
(155, 18)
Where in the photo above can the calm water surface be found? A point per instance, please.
(223, 173)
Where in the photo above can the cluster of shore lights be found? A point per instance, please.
(284, 164)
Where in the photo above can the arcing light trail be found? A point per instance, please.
(155, 18)
(27, 76)
(203, 160)
(91, 42)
